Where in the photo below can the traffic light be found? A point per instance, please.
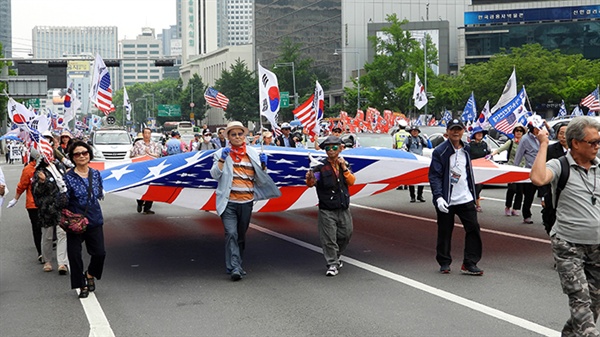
(57, 64)
(112, 63)
(164, 63)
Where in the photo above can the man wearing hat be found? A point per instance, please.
(336, 131)
(242, 178)
(206, 143)
(286, 139)
(175, 145)
(415, 144)
(453, 187)
(334, 221)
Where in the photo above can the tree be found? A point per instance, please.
(197, 87)
(240, 85)
(389, 79)
(305, 72)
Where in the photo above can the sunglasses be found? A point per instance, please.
(233, 134)
(593, 143)
(333, 147)
(80, 154)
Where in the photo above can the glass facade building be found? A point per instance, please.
(315, 25)
(6, 27)
(572, 30)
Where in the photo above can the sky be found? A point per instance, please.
(128, 15)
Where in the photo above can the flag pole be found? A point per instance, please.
(528, 102)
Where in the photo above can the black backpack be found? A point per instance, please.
(549, 211)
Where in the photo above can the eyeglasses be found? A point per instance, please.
(593, 143)
(519, 130)
(334, 148)
(79, 154)
(239, 134)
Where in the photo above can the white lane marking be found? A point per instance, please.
(99, 326)
(523, 323)
(511, 235)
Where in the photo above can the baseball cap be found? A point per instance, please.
(455, 123)
(286, 126)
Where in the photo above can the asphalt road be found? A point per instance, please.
(165, 276)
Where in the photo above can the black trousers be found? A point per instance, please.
(35, 229)
(445, 221)
(529, 190)
(94, 244)
(146, 204)
(411, 190)
(515, 191)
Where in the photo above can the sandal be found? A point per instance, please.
(83, 292)
(47, 267)
(91, 285)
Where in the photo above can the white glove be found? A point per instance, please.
(442, 205)
(12, 203)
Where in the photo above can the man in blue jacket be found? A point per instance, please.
(453, 188)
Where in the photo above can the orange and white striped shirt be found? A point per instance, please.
(242, 187)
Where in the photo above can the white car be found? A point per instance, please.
(111, 144)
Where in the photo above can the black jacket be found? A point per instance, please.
(282, 143)
(331, 189)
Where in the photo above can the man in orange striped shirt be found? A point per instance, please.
(242, 178)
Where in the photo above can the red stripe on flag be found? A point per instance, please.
(211, 204)
(162, 193)
(289, 195)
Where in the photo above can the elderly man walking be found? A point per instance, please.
(575, 235)
(242, 178)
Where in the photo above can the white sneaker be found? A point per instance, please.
(332, 271)
(516, 212)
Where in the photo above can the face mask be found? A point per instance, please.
(207, 138)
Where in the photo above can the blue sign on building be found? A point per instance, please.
(532, 15)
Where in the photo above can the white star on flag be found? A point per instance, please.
(117, 174)
(155, 170)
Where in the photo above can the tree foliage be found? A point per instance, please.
(240, 85)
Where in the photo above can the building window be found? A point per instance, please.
(129, 77)
(142, 52)
(142, 77)
(142, 46)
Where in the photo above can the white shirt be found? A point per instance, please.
(459, 192)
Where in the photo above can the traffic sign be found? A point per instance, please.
(110, 120)
(192, 105)
(166, 110)
(285, 99)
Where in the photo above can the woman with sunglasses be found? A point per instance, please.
(84, 190)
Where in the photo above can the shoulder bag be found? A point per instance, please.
(76, 223)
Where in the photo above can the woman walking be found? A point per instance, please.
(84, 190)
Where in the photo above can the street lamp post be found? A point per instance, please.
(145, 100)
(288, 64)
(153, 106)
(340, 51)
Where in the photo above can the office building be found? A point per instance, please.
(138, 57)
(6, 27)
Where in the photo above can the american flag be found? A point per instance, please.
(307, 115)
(101, 90)
(215, 98)
(592, 101)
(41, 144)
(505, 118)
(184, 180)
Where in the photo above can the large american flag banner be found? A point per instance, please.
(184, 180)
(101, 89)
(592, 101)
(216, 99)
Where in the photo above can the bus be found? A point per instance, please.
(184, 127)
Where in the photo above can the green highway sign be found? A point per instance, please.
(32, 102)
(285, 99)
(169, 110)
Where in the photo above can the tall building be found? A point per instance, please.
(179, 14)
(138, 58)
(208, 25)
(491, 26)
(171, 47)
(78, 42)
(6, 27)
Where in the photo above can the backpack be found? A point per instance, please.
(549, 211)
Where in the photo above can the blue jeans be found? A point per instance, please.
(236, 219)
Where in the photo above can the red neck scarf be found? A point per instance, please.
(238, 152)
